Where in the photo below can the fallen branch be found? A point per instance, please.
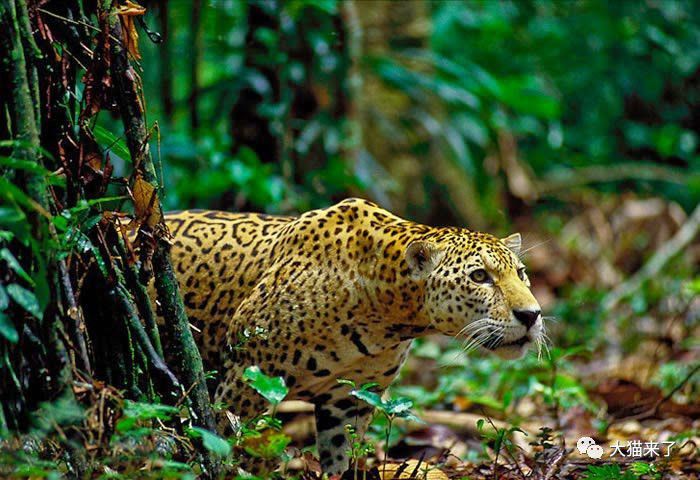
(563, 180)
(656, 263)
(654, 410)
(467, 423)
(463, 423)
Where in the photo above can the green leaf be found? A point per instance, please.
(146, 411)
(7, 329)
(272, 389)
(25, 299)
(110, 141)
(15, 222)
(642, 468)
(607, 472)
(142, 411)
(4, 299)
(25, 145)
(369, 386)
(13, 194)
(398, 406)
(267, 444)
(211, 441)
(296, 7)
(372, 398)
(12, 262)
(175, 466)
(62, 411)
(27, 165)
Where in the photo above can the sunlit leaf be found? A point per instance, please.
(146, 202)
(272, 389)
(372, 398)
(109, 141)
(141, 411)
(130, 35)
(266, 444)
(395, 407)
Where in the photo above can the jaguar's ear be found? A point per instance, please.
(422, 258)
(514, 242)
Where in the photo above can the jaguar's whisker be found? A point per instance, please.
(522, 253)
(473, 325)
(475, 337)
(475, 340)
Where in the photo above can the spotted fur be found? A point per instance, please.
(340, 293)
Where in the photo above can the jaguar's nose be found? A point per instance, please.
(527, 317)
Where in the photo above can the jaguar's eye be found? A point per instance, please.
(480, 276)
(521, 274)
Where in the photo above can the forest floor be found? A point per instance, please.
(631, 430)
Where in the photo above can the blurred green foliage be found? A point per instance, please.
(579, 84)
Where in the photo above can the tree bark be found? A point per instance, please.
(23, 118)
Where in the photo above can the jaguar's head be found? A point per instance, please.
(476, 289)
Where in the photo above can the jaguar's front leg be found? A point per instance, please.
(333, 411)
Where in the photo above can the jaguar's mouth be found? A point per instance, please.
(520, 342)
(516, 343)
(513, 349)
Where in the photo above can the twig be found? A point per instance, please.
(679, 386)
(74, 314)
(144, 342)
(556, 464)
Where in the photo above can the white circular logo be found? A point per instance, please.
(584, 443)
(595, 451)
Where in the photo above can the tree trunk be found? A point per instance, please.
(15, 37)
(153, 233)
